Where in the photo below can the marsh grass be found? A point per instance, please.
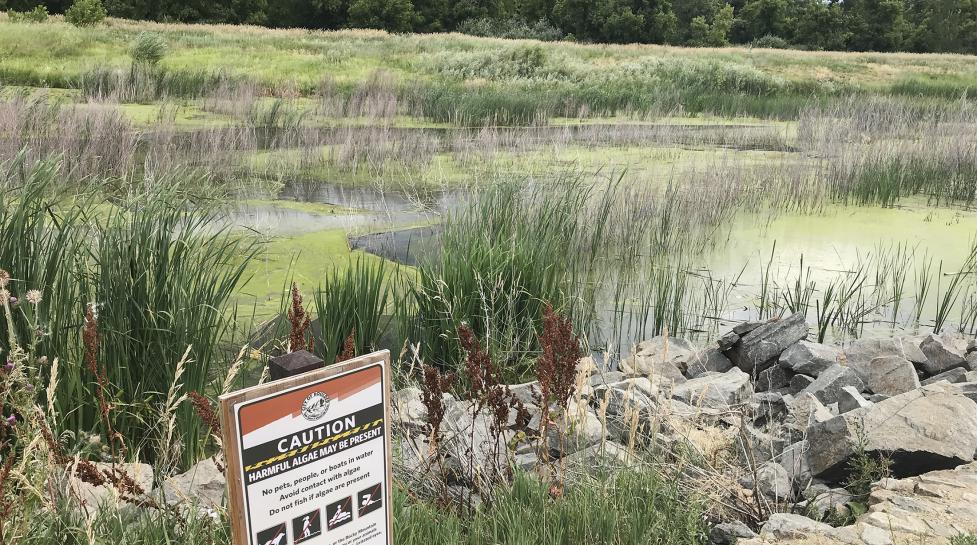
(162, 279)
(630, 507)
(353, 299)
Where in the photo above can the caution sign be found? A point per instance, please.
(309, 457)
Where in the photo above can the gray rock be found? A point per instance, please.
(201, 486)
(788, 526)
(763, 446)
(728, 533)
(89, 498)
(771, 406)
(760, 348)
(957, 374)
(794, 460)
(774, 377)
(865, 350)
(574, 432)
(943, 352)
(934, 427)
(805, 410)
(809, 358)
(526, 392)
(773, 481)
(626, 397)
(607, 377)
(710, 359)
(607, 453)
(746, 327)
(526, 460)
(888, 375)
(833, 500)
(660, 355)
(799, 382)
(972, 362)
(407, 408)
(850, 399)
(718, 391)
(827, 387)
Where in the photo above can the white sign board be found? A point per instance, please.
(309, 457)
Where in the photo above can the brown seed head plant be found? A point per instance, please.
(90, 339)
(205, 411)
(299, 320)
(556, 366)
(486, 392)
(432, 397)
(349, 348)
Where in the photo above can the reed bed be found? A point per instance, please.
(161, 279)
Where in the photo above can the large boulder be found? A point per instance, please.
(943, 352)
(761, 347)
(773, 481)
(407, 408)
(772, 378)
(667, 357)
(718, 391)
(202, 486)
(865, 350)
(887, 374)
(786, 526)
(827, 387)
(89, 498)
(805, 410)
(809, 358)
(934, 427)
(708, 360)
(957, 374)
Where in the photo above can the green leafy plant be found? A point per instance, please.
(85, 13)
(37, 15)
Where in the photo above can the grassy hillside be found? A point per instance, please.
(556, 78)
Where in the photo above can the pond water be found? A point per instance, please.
(832, 244)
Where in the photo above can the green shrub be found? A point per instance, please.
(36, 15)
(148, 48)
(85, 13)
(771, 42)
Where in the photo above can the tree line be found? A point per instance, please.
(853, 25)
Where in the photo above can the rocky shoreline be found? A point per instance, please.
(788, 418)
(767, 426)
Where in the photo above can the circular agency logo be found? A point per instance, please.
(315, 406)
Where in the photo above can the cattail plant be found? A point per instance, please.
(299, 321)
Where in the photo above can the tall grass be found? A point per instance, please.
(161, 277)
(629, 508)
(506, 255)
(353, 300)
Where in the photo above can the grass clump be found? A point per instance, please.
(630, 507)
(502, 259)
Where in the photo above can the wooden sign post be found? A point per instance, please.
(309, 459)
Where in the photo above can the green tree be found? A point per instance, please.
(876, 25)
(703, 33)
(392, 15)
(820, 25)
(945, 26)
(766, 18)
(85, 13)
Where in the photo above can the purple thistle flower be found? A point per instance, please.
(9, 366)
(11, 420)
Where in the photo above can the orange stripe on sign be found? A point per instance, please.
(262, 413)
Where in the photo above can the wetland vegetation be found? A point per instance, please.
(639, 190)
